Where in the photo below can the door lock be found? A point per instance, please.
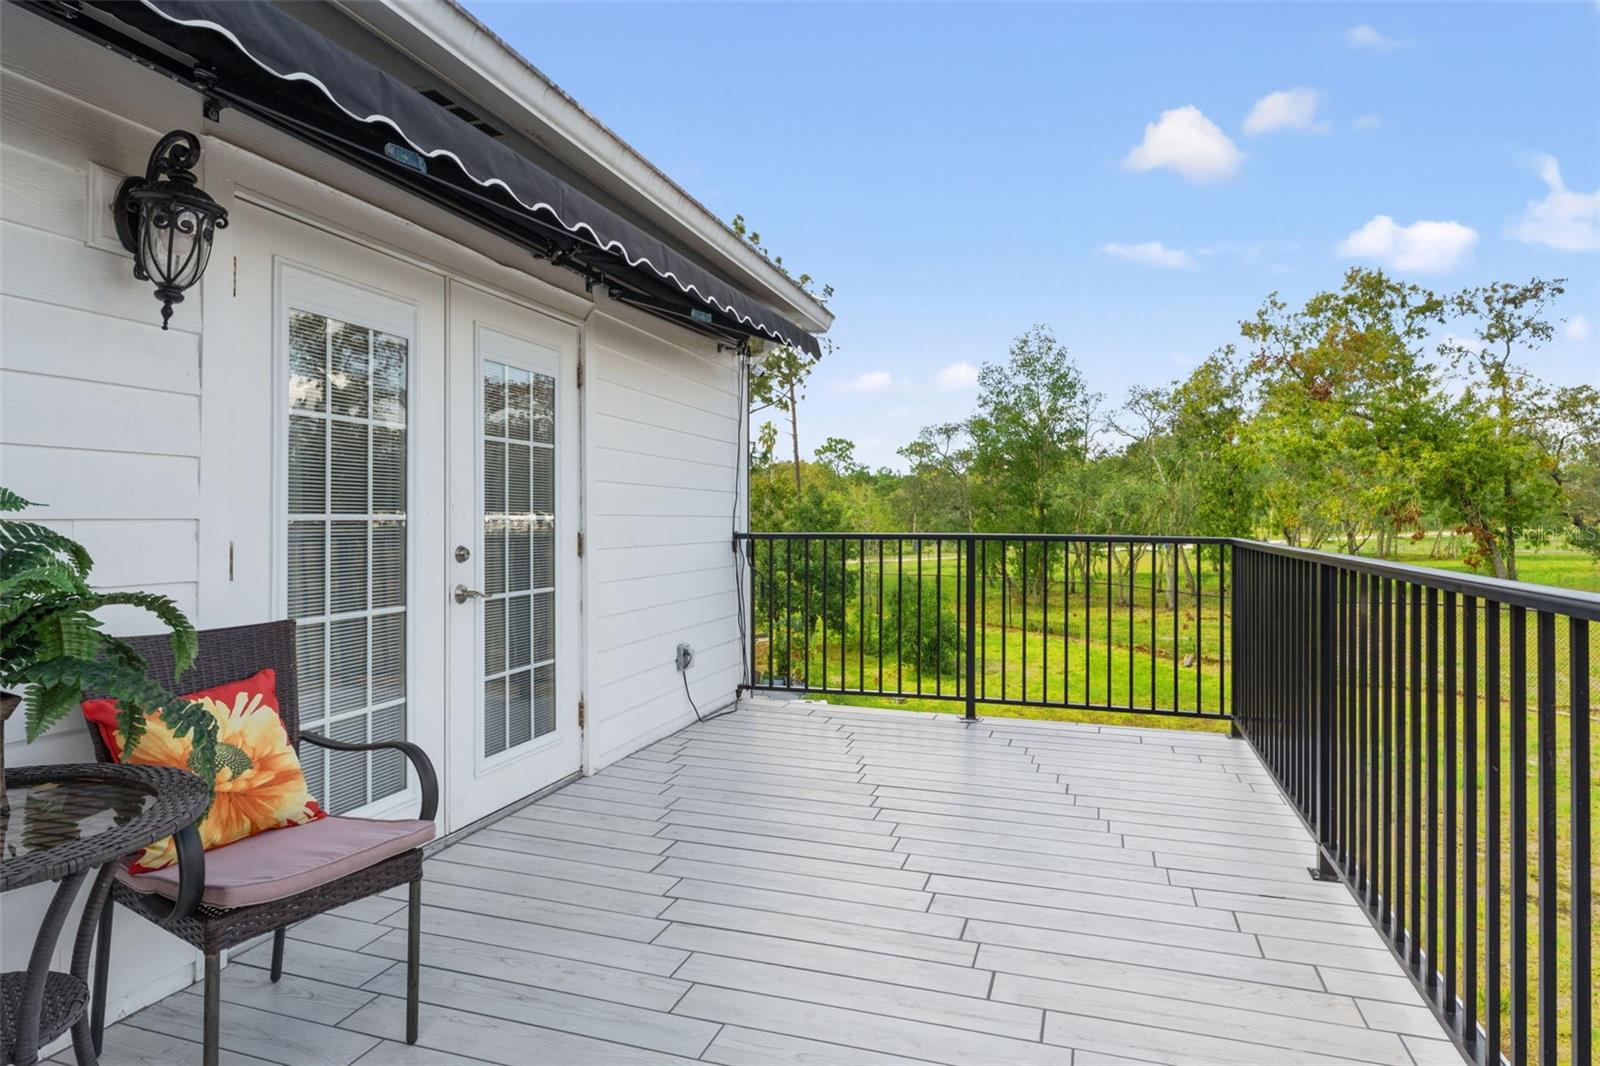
(463, 553)
(463, 594)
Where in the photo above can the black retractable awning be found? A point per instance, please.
(265, 60)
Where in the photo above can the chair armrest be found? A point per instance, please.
(418, 758)
(191, 875)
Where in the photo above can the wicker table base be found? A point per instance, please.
(65, 999)
(62, 822)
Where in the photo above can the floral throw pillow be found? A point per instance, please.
(259, 784)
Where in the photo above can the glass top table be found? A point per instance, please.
(60, 822)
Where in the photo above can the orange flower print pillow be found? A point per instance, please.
(259, 786)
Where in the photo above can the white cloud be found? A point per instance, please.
(1422, 247)
(1151, 253)
(1287, 109)
(1365, 36)
(957, 377)
(1564, 219)
(872, 381)
(1184, 140)
(1367, 122)
(1579, 328)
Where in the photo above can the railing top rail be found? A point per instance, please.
(1585, 605)
(1054, 538)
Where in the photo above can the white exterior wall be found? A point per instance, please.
(99, 411)
(663, 446)
(101, 418)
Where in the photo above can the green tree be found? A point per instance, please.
(1030, 430)
(1346, 409)
(1500, 490)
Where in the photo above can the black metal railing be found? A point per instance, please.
(1395, 705)
(1085, 622)
(1432, 728)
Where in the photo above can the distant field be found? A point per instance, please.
(1563, 567)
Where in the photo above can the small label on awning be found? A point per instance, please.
(700, 316)
(406, 157)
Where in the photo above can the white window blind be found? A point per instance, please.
(518, 556)
(347, 550)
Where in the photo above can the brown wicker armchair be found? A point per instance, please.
(268, 882)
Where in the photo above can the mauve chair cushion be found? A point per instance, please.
(286, 862)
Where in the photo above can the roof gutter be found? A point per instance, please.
(448, 39)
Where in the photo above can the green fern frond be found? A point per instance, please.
(185, 643)
(15, 535)
(12, 502)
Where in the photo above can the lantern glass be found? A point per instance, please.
(176, 242)
(167, 221)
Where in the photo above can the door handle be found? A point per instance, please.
(463, 594)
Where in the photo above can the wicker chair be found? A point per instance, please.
(196, 908)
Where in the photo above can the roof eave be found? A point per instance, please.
(448, 39)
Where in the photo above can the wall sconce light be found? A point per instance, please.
(167, 221)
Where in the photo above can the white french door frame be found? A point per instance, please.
(475, 316)
(247, 586)
(299, 287)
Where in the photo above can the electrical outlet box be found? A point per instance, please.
(685, 657)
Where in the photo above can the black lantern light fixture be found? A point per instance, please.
(167, 221)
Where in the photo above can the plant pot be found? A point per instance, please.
(9, 701)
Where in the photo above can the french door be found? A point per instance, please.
(512, 605)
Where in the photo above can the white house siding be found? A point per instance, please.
(101, 418)
(663, 446)
(99, 409)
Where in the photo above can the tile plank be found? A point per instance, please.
(848, 962)
(873, 1032)
(577, 976)
(562, 1011)
(498, 1040)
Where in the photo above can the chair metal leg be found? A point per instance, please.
(212, 1034)
(102, 973)
(413, 958)
(278, 939)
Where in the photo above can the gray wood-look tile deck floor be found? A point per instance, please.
(806, 883)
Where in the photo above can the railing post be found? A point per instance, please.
(1322, 736)
(1232, 571)
(971, 593)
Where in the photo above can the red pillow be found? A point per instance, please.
(259, 783)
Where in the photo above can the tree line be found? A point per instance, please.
(1371, 414)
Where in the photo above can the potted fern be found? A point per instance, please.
(51, 643)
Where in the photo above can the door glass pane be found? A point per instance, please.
(519, 572)
(347, 549)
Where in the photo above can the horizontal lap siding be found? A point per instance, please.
(99, 409)
(662, 451)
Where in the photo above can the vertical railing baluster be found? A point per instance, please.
(1452, 841)
(823, 614)
(1401, 730)
(1024, 694)
(1582, 843)
(1519, 834)
(1549, 891)
(1431, 978)
(1414, 832)
(938, 615)
(880, 614)
(1044, 613)
(1469, 812)
(861, 616)
(971, 636)
(1494, 1001)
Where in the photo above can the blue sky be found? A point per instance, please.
(1138, 177)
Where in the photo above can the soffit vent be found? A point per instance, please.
(459, 112)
